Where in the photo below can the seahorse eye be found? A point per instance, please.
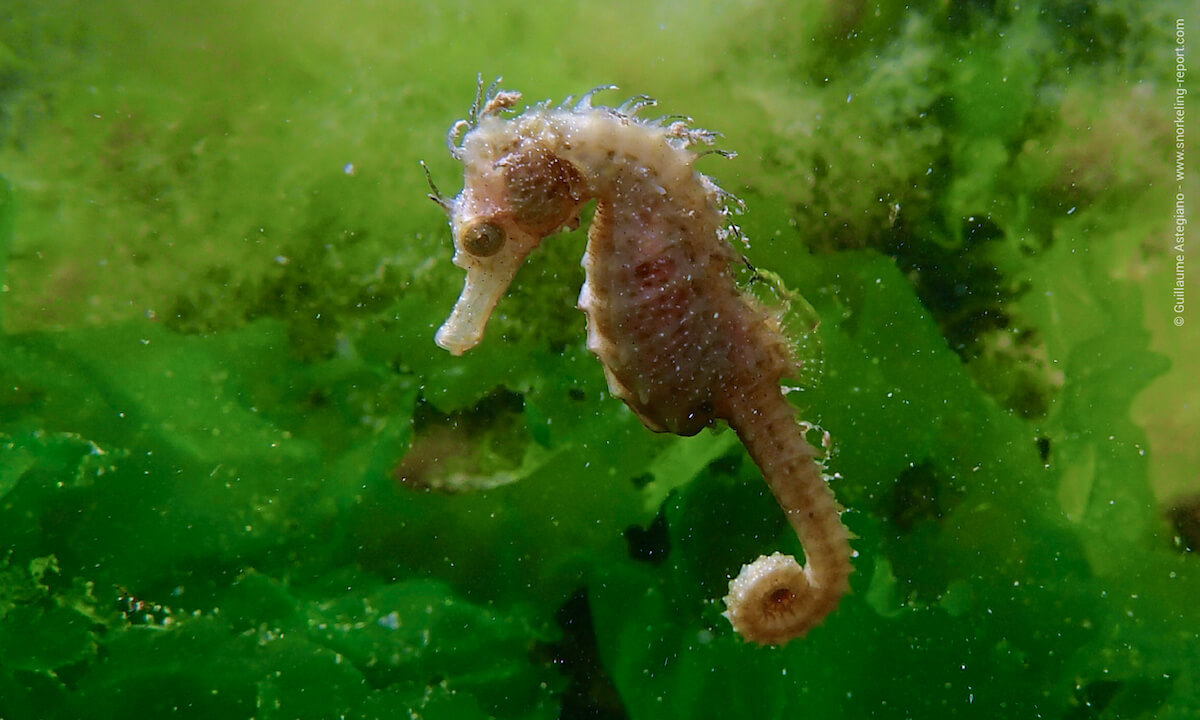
(483, 239)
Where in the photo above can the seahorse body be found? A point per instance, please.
(680, 344)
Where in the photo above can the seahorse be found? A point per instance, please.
(680, 343)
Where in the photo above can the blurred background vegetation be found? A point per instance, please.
(237, 479)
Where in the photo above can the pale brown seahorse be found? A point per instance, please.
(680, 343)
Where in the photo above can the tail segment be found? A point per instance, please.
(774, 599)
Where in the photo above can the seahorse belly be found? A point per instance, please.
(651, 322)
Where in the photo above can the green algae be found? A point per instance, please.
(238, 479)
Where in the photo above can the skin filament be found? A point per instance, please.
(679, 342)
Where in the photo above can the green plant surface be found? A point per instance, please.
(238, 479)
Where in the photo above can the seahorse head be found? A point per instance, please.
(516, 191)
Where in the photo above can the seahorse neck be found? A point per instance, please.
(629, 164)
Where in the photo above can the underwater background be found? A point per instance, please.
(238, 479)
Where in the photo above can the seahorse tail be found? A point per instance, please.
(774, 599)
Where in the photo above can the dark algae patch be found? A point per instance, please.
(238, 479)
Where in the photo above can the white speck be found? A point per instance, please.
(348, 168)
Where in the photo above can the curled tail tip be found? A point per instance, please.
(774, 600)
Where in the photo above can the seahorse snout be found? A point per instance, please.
(488, 277)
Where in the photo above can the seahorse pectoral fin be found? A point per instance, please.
(485, 284)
